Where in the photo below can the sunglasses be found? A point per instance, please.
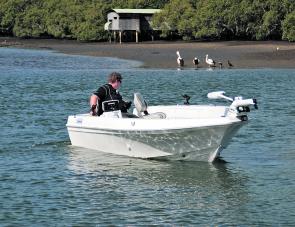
(119, 80)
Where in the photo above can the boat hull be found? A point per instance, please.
(202, 143)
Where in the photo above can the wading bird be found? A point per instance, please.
(196, 61)
(210, 62)
(180, 60)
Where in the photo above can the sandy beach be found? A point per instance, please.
(162, 54)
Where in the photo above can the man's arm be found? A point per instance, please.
(93, 104)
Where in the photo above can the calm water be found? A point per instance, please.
(46, 182)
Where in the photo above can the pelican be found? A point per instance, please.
(196, 61)
(210, 61)
(229, 64)
(180, 60)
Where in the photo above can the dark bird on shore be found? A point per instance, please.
(229, 64)
(196, 61)
(210, 62)
(180, 60)
(220, 64)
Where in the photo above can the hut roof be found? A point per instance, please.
(137, 11)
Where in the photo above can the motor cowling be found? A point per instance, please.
(240, 107)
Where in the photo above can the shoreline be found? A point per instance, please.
(162, 54)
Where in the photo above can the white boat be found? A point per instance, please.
(174, 132)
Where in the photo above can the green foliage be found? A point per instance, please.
(187, 19)
(91, 26)
(29, 24)
(289, 27)
(226, 19)
(178, 16)
(58, 18)
(208, 19)
(8, 12)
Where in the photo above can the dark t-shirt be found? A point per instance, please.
(105, 93)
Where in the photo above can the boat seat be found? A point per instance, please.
(129, 115)
(157, 115)
(141, 107)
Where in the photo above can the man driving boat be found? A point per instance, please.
(108, 92)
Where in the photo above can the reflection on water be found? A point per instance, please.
(153, 172)
(190, 185)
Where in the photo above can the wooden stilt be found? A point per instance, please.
(136, 36)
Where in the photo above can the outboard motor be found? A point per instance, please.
(239, 107)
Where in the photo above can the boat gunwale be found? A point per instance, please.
(151, 131)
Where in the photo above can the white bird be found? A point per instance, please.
(210, 61)
(180, 60)
(196, 61)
